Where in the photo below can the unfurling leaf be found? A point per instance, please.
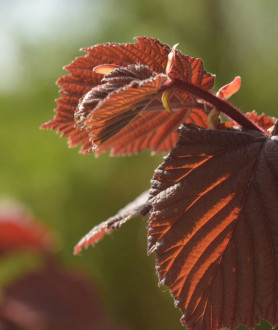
(111, 100)
(120, 107)
(214, 228)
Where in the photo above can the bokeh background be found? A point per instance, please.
(70, 193)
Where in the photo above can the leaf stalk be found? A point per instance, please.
(222, 105)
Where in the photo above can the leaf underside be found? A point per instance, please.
(148, 130)
(214, 228)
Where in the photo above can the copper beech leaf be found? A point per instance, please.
(213, 227)
(85, 112)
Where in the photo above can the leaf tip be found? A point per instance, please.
(171, 60)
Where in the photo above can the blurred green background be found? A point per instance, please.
(71, 193)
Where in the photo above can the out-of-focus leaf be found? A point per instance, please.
(214, 228)
(53, 299)
(18, 231)
(130, 211)
(78, 86)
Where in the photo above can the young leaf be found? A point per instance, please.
(225, 92)
(154, 130)
(78, 119)
(214, 229)
(261, 120)
(120, 107)
(130, 211)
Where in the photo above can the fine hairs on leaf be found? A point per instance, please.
(212, 206)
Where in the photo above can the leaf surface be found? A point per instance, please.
(214, 228)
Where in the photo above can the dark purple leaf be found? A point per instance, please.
(214, 227)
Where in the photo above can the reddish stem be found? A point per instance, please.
(218, 103)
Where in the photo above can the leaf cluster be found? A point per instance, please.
(213, 203)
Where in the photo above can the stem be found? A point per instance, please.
(218, 103)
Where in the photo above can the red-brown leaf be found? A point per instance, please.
(130, 211)
(82, 79)
(18, 231)
(261, 120)
(214, 227)
(119, 108)
(154, 130)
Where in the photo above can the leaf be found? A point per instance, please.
(18, 231)
(83, 79)
(120, 107)
(130, 211)
(53, 298)
(155, 130)
(214, 228)
(262, 120)
(225, 92)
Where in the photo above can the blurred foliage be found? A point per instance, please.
(71, 193)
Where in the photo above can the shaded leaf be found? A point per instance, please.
(18, 231)
(83, 79)
(53, 299)
(214, 229)
(130, 211)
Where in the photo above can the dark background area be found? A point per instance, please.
(70, 193)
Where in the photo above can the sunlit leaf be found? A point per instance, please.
(155, 130)
(87, 76)
(262, 120)
(120, 108)
(230, 89)
(214, 228)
